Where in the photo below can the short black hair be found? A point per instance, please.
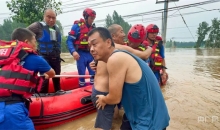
(103, 33)
(22, 34)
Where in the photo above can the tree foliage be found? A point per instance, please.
(29, 11)
(212, 32)
(64, 48)
(214, 35)
(202, 31)
(60, 26)
(7, 28)
(179, 44)
(117, 19)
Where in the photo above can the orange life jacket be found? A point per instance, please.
(13, 77)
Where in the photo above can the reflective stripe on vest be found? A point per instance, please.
(84, 43)
(142, 48)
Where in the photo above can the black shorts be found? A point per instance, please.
(125, 125)
(104, 117)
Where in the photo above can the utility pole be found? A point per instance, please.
(162, 27)
(172, 45)
(164, 17)
(165, 21)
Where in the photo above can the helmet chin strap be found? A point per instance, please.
(152, 41)
(86, 19)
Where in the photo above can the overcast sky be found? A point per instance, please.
(175, 25)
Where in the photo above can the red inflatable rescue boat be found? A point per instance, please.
(53, 109)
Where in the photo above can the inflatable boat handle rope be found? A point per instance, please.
(74, 76)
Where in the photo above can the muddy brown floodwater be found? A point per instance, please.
(192, 93)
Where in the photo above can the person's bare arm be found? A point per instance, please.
(142, 54)
(116, 78)
(50, 73)
(164, 64)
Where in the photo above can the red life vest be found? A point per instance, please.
(13, 77)
(155, 59)
(145, 42)
(82, 41)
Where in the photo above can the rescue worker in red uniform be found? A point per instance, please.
(157, 58)
(77, 43)
(19, 65)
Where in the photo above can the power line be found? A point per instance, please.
(4, 13)
(155, 11)
(69, 2)
(152, 12)
(161, 10)
(172, 8)
(91, 5)
(183, 27)
(185, 23)
(172, 16)
(151, 19)
(106, 6)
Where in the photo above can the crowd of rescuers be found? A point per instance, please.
(135, 85)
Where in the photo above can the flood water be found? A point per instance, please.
(192, 93)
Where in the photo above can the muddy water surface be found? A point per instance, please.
(192, 93)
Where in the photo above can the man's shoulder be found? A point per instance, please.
(119, 56)
(121, 53)
(35, 25)
(34, 58)
(36, 63)
(75, 26)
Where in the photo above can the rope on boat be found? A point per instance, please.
(74, 76)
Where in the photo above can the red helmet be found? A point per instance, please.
(159, 38)
(152, 28)
(137, 33)
(89, 12)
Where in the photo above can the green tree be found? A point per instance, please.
(202, 31)
(29, 11)
(64, 48)
(168, 44)
(117, 19)
(7, 28)
(214, 35)
(60, 26)
(109, 21)
(64, 38)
